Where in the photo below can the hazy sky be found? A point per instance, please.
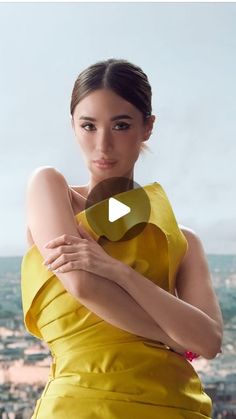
(188, 52)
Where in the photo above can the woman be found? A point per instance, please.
(122, 318)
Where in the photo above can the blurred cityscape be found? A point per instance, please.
(25, 360)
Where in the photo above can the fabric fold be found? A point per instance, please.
(99, 369)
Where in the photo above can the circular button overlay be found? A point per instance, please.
(123, 208)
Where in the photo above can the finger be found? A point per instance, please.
(71, 258)
(64, 239)
(63, 249)
(68, 266)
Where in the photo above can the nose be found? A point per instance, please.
(104, 140)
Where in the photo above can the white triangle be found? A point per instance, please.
(116, 209)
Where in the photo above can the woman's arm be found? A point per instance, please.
(49, 215)
(114, 305)
(195, 320)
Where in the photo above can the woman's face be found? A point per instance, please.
(101, 137)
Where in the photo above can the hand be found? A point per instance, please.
(79, 253)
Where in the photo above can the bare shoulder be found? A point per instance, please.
(187, 231)
(40, 178)
(45, 172)
(195, 251)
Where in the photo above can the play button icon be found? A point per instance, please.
(116, 209)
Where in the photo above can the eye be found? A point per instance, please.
(125, 126)
(85, 125)
(122, 124)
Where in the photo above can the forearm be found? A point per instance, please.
(187, 325)
(114, 305)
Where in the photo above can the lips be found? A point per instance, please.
(104, 161)
(104, 164)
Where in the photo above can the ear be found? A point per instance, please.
(149, 127)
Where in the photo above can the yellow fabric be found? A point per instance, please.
(98, 370)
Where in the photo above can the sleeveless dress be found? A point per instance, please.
(99, 370)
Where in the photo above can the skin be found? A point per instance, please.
(194, 284)
(118, 140)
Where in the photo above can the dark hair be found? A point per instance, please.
(124, 78)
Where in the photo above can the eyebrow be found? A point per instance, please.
(114, 118)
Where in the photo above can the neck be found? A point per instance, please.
(112, 186)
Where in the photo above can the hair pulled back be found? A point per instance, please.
(123, 77)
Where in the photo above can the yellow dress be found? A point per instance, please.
(100, 371)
